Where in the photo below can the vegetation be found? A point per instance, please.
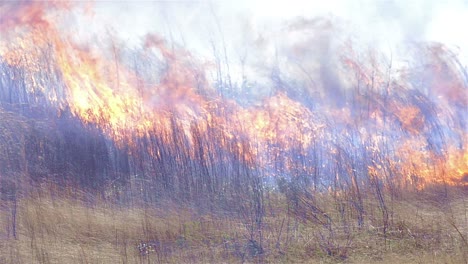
(134, 156)
(64, 226)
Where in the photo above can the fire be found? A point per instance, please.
(411, 118)
(28, 13)
(279, 120)
(104, 92)
(92, 98)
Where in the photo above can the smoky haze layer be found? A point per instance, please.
(305, 103)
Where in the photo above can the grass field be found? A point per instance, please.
(65, 228)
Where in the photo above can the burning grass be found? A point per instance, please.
(56, 228)
(126, 155)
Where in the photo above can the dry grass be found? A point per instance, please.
(57, 229)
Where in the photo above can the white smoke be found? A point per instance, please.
(246, 36)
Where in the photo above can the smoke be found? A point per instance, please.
(256, 48)
(23, 13)
(293, 59)
(386, 24)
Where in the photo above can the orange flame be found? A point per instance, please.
(122, 109)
